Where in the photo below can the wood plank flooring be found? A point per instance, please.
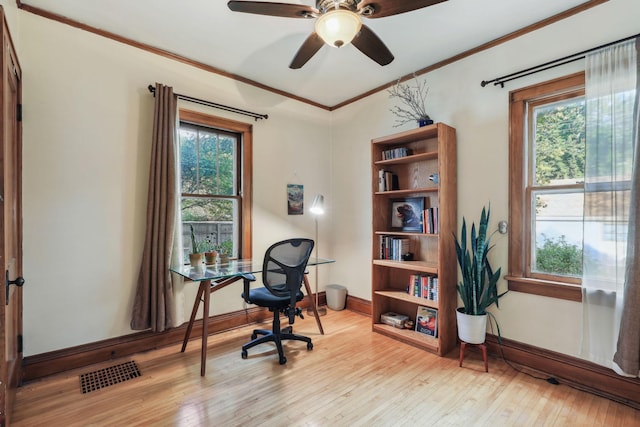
(352, 377)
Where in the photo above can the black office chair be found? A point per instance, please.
(282, 275)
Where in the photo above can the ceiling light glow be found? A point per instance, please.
(338, 27)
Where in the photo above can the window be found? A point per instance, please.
(215, 184)
(546, 196)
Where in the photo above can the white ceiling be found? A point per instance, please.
(260, 48)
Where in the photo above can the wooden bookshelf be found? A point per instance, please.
(432, 151)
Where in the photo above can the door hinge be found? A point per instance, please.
(19, 339)
(19, 112)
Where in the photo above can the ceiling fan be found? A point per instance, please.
(338, 23)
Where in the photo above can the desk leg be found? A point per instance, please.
(313, 303)
(204, 295)
(196, 304)
(206, 286)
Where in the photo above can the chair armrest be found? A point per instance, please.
(247, 279)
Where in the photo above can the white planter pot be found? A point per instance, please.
(471, 329)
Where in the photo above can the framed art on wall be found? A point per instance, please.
(295, 199)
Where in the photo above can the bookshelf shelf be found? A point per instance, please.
(409, 336)
(408, 159)
(406, 137)
(406, 191)
(431, 151)
(406, 233)
(403, 296)
(419, 266)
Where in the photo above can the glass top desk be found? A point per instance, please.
(215, 277)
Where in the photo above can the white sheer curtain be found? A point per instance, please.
(177, 255)
(610, 100)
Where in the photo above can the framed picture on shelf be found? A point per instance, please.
(406, 214)
(427, 321)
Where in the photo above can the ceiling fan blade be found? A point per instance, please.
(311, 45)
(384, 8)
(368, 43)
(287, 10)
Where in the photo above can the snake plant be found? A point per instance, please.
(478, 288)
(197, 246)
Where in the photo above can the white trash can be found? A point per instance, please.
(336, 297)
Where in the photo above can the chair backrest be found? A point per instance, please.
(284, 265)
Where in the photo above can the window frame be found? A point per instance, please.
(520, 278)
(245, 170)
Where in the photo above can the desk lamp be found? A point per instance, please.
(317, 209)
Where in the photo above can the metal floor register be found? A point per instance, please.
(108, 376)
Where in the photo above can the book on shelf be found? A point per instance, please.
(430, 220)
(396, 153)
(427, 321)
(387, 180)
(423, 286)
(393, 247)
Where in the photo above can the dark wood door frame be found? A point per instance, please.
(10, 224)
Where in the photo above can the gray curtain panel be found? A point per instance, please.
(154, 303)
(627, 355)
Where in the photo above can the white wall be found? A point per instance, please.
(480, 116)
(87, 133)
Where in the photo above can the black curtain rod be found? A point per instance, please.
(551, 64)
(256, 116)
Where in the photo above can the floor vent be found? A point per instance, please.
(108, 376)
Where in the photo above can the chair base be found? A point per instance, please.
(276, 336)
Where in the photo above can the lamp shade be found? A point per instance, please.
(338, 27)
(317, 207)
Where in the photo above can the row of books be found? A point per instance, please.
(430, 220)
(423, 286)
(387, 180)
(395, 153)
(393, 247)
(427, 321)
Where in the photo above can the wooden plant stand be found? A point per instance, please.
(482, 347)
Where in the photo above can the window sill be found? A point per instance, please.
(545, 288)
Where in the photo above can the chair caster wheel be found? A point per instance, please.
(309, 346)
(244, 354)
(253, 336)
(283, 360)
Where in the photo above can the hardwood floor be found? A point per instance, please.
(352, 377)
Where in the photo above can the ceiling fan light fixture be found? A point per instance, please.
(338, 27)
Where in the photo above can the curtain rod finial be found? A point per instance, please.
(151, 88)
